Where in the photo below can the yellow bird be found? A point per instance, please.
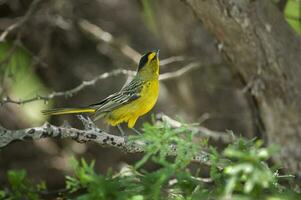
(134, 99)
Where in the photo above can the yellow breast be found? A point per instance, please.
(132, 111)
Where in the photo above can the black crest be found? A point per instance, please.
(143, 60)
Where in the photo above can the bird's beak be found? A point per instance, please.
(157, 53)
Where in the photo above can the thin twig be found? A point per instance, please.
(85, 84)
(171, 60)
(33, 6)
(101, 35)
(17, 42)
(71, 92)
(225, 137)
(180, 72)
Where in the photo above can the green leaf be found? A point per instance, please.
(16, 177)
(293, 14)
(16, 66)
(149, 15)
(15, 60)
(2, 194)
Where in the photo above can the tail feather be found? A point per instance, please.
(62, 111)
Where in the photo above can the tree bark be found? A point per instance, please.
(266, 53)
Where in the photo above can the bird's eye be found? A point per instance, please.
(151, 56)
(154, 58)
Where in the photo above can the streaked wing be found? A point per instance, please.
(126, 95)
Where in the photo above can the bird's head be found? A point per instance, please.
(149, 65)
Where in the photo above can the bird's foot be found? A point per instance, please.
(123, 134)
(136, 131)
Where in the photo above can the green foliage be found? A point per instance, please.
(14, 60)
(149, 16)
(21, 187)
(247, 174)
(293, 14)
(18, 79)
(159, 139)
(98, 186)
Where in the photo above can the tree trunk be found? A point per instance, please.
(266, 53)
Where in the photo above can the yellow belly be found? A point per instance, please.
(131, 112)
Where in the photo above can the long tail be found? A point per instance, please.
(62, 111)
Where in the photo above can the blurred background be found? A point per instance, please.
(48, 46)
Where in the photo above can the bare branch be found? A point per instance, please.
(85, 84)
(180, 72)
(100, 35)
(51, 131)
(33, 6)
(71, 92)
(17, 42)
(90, 134)
(171, 60)
(225, 137)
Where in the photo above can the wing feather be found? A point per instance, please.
(126, 95)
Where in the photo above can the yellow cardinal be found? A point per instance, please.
(134, 99)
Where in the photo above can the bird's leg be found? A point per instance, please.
(121, 131)
(136, 131)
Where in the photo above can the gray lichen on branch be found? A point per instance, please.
(60, 132)
(90, 133)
